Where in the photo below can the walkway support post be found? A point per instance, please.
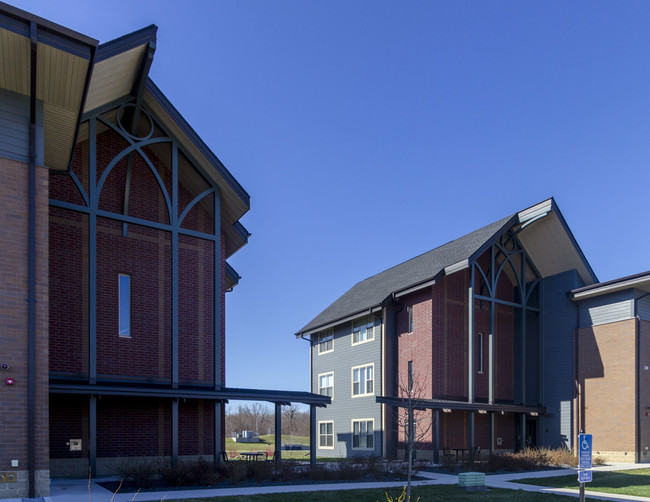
(436, 437)
(312, 435)
(278, 432)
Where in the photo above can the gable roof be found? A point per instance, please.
(372, 293)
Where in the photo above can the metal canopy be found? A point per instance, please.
(434, 404)
(224, 394)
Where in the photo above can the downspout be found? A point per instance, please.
(31, 287)
(637, 454)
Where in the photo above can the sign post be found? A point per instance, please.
(585, 443)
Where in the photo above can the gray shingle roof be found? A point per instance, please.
(373, 291)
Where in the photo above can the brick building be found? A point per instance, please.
(481, 334)
(117, 221)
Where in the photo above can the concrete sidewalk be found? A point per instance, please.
(506, 481)
(77, 490)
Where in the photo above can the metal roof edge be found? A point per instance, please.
(126, 42)
(233, 275)
(366, 311)
(560, 216)
(175, 115)
(54, 28)
(612, 286)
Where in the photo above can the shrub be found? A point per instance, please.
(138, 472)
(199, 472)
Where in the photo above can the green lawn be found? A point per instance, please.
(633, 482)
(267, 443)
(426, 494)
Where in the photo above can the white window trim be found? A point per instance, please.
(367, 339)
(352, 447)
(318, 383)
(352, 381)
(119, 305)
(319, 435)
(328, 331)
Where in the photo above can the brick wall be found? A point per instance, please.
(438, 349)
(14, 206)
(134, 426)
(607, 387)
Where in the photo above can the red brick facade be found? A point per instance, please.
(438, 346)
(133, 426)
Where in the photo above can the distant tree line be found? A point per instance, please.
(260, 418)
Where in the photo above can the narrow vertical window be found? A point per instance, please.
(410, 376)
(124, 284)
(410, 312)
(479, 355)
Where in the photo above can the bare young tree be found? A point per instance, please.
(413, 418)
(290, 413)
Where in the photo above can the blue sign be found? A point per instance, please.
(585, 442)
(584, 476)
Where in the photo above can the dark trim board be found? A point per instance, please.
(433, 404)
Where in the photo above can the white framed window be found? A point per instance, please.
(326, 384)
(363, 380)
(124, 305)
(363, 330)
(410, 313)
(363, 435)
(326, 435)
(479, 352)
(326, 341)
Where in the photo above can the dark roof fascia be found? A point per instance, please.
(233, 275)
(555, 208)
(611, 283)
(127, 42)
(197, 141)
(241, 230)
(18, 21)
(341, 320)
(273, 396)
(433, 404)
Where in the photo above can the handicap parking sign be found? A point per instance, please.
(585, 442)
(584, 476)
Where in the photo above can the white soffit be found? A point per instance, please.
(114, 77)
(14, 62)
(61, 77)
(61, 81)
(550, 246)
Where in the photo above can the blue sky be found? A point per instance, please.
(368, 132)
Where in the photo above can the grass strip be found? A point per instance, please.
(634, 482)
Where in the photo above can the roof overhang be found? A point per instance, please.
(372, 310)
(638, 281)
(76, 77)
(64, 61)
(543, 232)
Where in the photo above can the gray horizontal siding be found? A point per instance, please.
(559, 320)
(604, 309)
(344, 407)
(643, 306)
(14, 126)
